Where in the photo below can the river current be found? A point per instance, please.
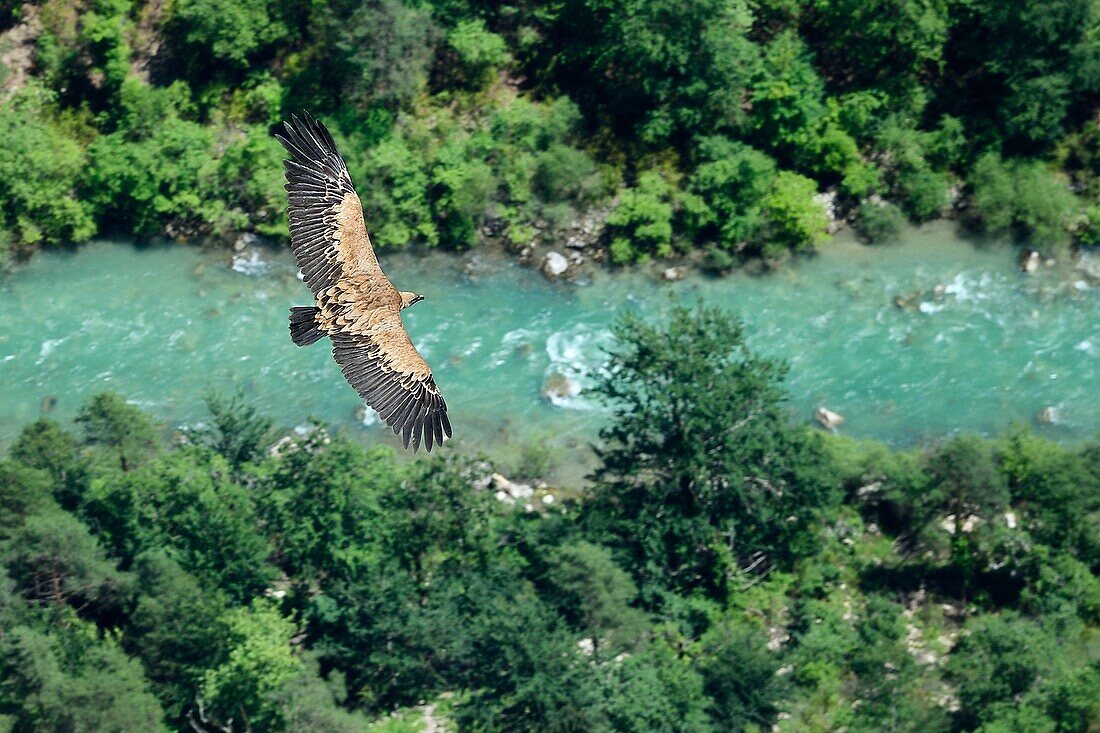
(975, 346)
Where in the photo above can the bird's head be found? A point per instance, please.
(408, 298)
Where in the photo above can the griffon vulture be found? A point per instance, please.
(357, 306)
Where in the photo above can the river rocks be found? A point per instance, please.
(558, 387)
(246, 240)
(554, 265)
(1030, 261)
(1088, 264)
(509, 492)
(1047, 416)
(828, 419)
(827, 202)
(673, 274)
(586, 231)
(17, 49)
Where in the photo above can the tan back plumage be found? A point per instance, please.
(358, 308)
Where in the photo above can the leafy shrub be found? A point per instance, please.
(795, 221)
(1025, 199)
(879, 221)
(923, 193)
(641, 225)
(40, 169)
(480, 53)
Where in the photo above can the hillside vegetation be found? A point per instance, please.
(642, 127)
(724, 571)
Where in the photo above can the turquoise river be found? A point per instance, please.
(163, 325)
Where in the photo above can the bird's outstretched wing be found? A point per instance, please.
(388, 373)
(327, 231)
(357, 306)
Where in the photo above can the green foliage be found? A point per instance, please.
(72, 681)
(1024, 199)
(740, 677)
(46, 446)
(879, 222)
(656, 691)
(478, 52)
(795, 222)
(885, 45)
(640, 227)
(259, 663)
(54, 559)
(388, 48)
(596, 594)
(177, 628)
(236, 432)
(700, 475)
(226, 31)
(708, 580)
(1027, 68)
(109, 422)
(40, 168)
(727, 193)
(657, 71)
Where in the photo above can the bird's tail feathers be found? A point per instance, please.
(304, 329)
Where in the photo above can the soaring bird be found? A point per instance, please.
(357, 306)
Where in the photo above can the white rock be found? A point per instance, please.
(1047, 416)
(1030, 262)
(672, 274)
(554, 265)
(558, 387)
(828, 419)
(513, 489)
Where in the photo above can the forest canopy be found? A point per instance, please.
(723, 570)
(726, 127)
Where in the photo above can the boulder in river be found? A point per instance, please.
(558, 387)
(1047, 416)
(672, 274)
(554, 265)
(1030, 261)
(246, 240)
(828, 419)
(1088, 264)
(510, 488)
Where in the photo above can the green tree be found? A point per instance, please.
(656, 691)
(40, 168)
(54, 559)
(177, 628)
(739, 677)
(893, 45)
(659, 71)
(795, 222)
(46, 446)
(70, 680)
(700, 474)
(259, 663)
(236, 431)
(1024, 199)
(966, 487)
(388, 48)
(596, 594)
(119, 428)
(225, 32)
(640, 227)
